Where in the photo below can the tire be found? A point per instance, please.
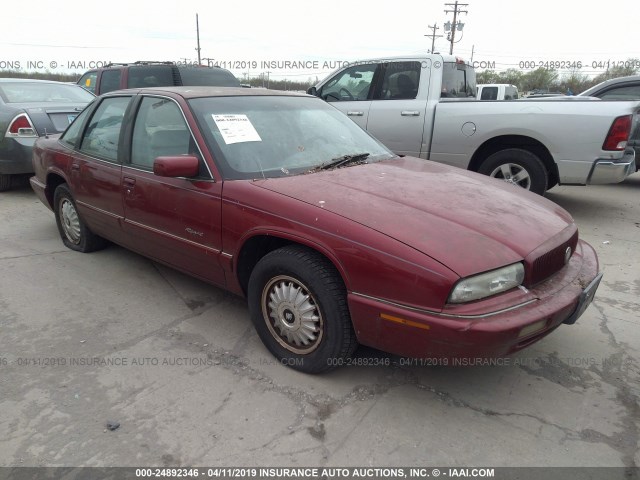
(6, 181)
(295, 283)
(73, 231)
(517, 167)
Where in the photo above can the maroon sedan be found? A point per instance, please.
(333, 239)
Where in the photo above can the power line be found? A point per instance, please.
(455, 24)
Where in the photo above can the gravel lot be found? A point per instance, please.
(111, 336)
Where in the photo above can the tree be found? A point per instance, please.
(487, 76)
(630, 66)
(575, 81)
(540, 79)
(511, 76)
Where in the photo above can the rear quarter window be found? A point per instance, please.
(458, 81)
(151, 76)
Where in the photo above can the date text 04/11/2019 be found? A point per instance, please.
(314, 472)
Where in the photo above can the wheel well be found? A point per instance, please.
(257, 247)
(53, 180)
(516, 141)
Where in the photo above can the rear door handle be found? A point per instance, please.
(410, 113)
(355, 114)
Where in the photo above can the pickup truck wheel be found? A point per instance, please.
(298, 304)
(5, 182)
(73, 231)
(517, 167)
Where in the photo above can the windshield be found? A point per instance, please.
(277, 136)
(458, 81)
(36, 92)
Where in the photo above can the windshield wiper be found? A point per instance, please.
(343, 160)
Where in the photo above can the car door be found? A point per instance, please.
(95, 170)
(350, 91)
(174, 220)
(397, 112)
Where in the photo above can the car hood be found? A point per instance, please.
(464, 220)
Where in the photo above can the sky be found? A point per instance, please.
(253, 37)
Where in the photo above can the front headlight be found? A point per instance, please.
(487, 284)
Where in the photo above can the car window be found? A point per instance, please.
(458, 80)
(160, 130)
(103, 132)
(88, 81)
(489, 93)
(627, 92)
(400, 81)
(207, 76)
(351, 84)
(511, 93)
(150, 76)
(110, 80)
(74, 130)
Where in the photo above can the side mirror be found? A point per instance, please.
(312, 91)
(178, 166)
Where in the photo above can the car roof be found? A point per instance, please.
(198, 92)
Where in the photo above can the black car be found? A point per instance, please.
(30, 109)
(117, 76)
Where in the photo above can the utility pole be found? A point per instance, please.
(198, 36)
(433, 36)
(473, 47)
(455, 11)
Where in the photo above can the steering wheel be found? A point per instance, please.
(347, 92)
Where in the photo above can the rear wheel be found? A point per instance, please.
(298, 304)
(73, 231)
(518, 167)
(5, 182)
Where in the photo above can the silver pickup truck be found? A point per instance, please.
(425, 106)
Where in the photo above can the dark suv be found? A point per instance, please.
(116, 76)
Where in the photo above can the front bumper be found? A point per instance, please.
(496, 333)
(612, 171)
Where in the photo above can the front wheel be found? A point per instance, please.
(298, 304)
(517, 167)
(73, 231)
